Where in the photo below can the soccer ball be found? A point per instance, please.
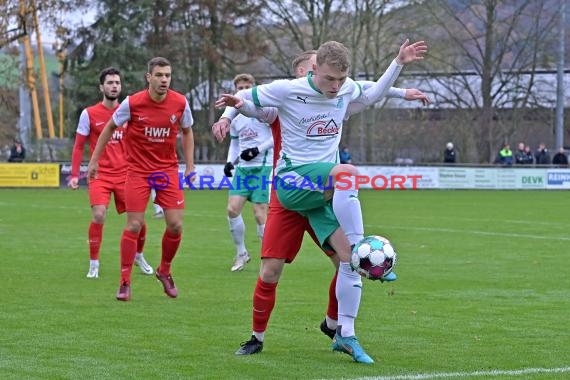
(373, 257)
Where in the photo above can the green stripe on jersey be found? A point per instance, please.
(311, 83)
(255, 97)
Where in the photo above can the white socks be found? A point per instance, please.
(348, 293)
(94, 263)
(259, 335)
(346, 207)
(237, 229)
(260, 230)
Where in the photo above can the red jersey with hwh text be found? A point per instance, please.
(153, 126)
(93, 119)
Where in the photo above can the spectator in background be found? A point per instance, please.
(449, 154)
(542, 155)
(560, 158)
(529, 157)
(17, 152)
(520, 155)
(344, 155)
(506, 155)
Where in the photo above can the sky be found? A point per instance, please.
(72, 19)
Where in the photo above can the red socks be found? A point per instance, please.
(95, 238)
(263, 302)
(170, 244)
(128, 252)
(141, 239)
(332, 309)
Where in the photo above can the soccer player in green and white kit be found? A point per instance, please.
(311, 112)
(252, 142)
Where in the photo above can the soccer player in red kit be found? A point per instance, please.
(154, 116)
(112, 168)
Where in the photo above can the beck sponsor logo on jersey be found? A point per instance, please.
(322, 128)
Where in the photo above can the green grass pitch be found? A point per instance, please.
(484, 279)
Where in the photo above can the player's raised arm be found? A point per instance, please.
(408, 53)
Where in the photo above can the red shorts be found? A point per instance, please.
(168, 192)
(101, 188)
(284, 231)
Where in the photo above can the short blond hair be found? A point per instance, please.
(244, 78)
(334, 54)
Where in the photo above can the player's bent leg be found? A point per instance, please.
(260, 214)
(330, 323)
(95, 238)
(345, 202)
(135, 220)
(237, 230)
(170, 243)
(264, 297)
(140, 261)
(348, 291)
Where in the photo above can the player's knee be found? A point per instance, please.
(98, 213)
(271, 273)
(345, 170)
(233, 211)
(134, 226)
(175, 227)
(99, 217)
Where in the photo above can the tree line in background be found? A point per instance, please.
(503, 43)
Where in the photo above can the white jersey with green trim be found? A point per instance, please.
(251, 133)
(311, 123)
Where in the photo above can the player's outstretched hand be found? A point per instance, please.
(415, 94)
(249, 154)
(411, 53)
(228, 169)
(92, 170)
(220, 129)
(73, 183)
(229, 100)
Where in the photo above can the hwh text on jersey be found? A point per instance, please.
(117, 135)
(156, 132)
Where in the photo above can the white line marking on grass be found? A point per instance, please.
(479, 220)
(475, 232)
(444, 375)
(42, 206)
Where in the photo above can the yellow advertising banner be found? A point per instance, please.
(29, 175)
